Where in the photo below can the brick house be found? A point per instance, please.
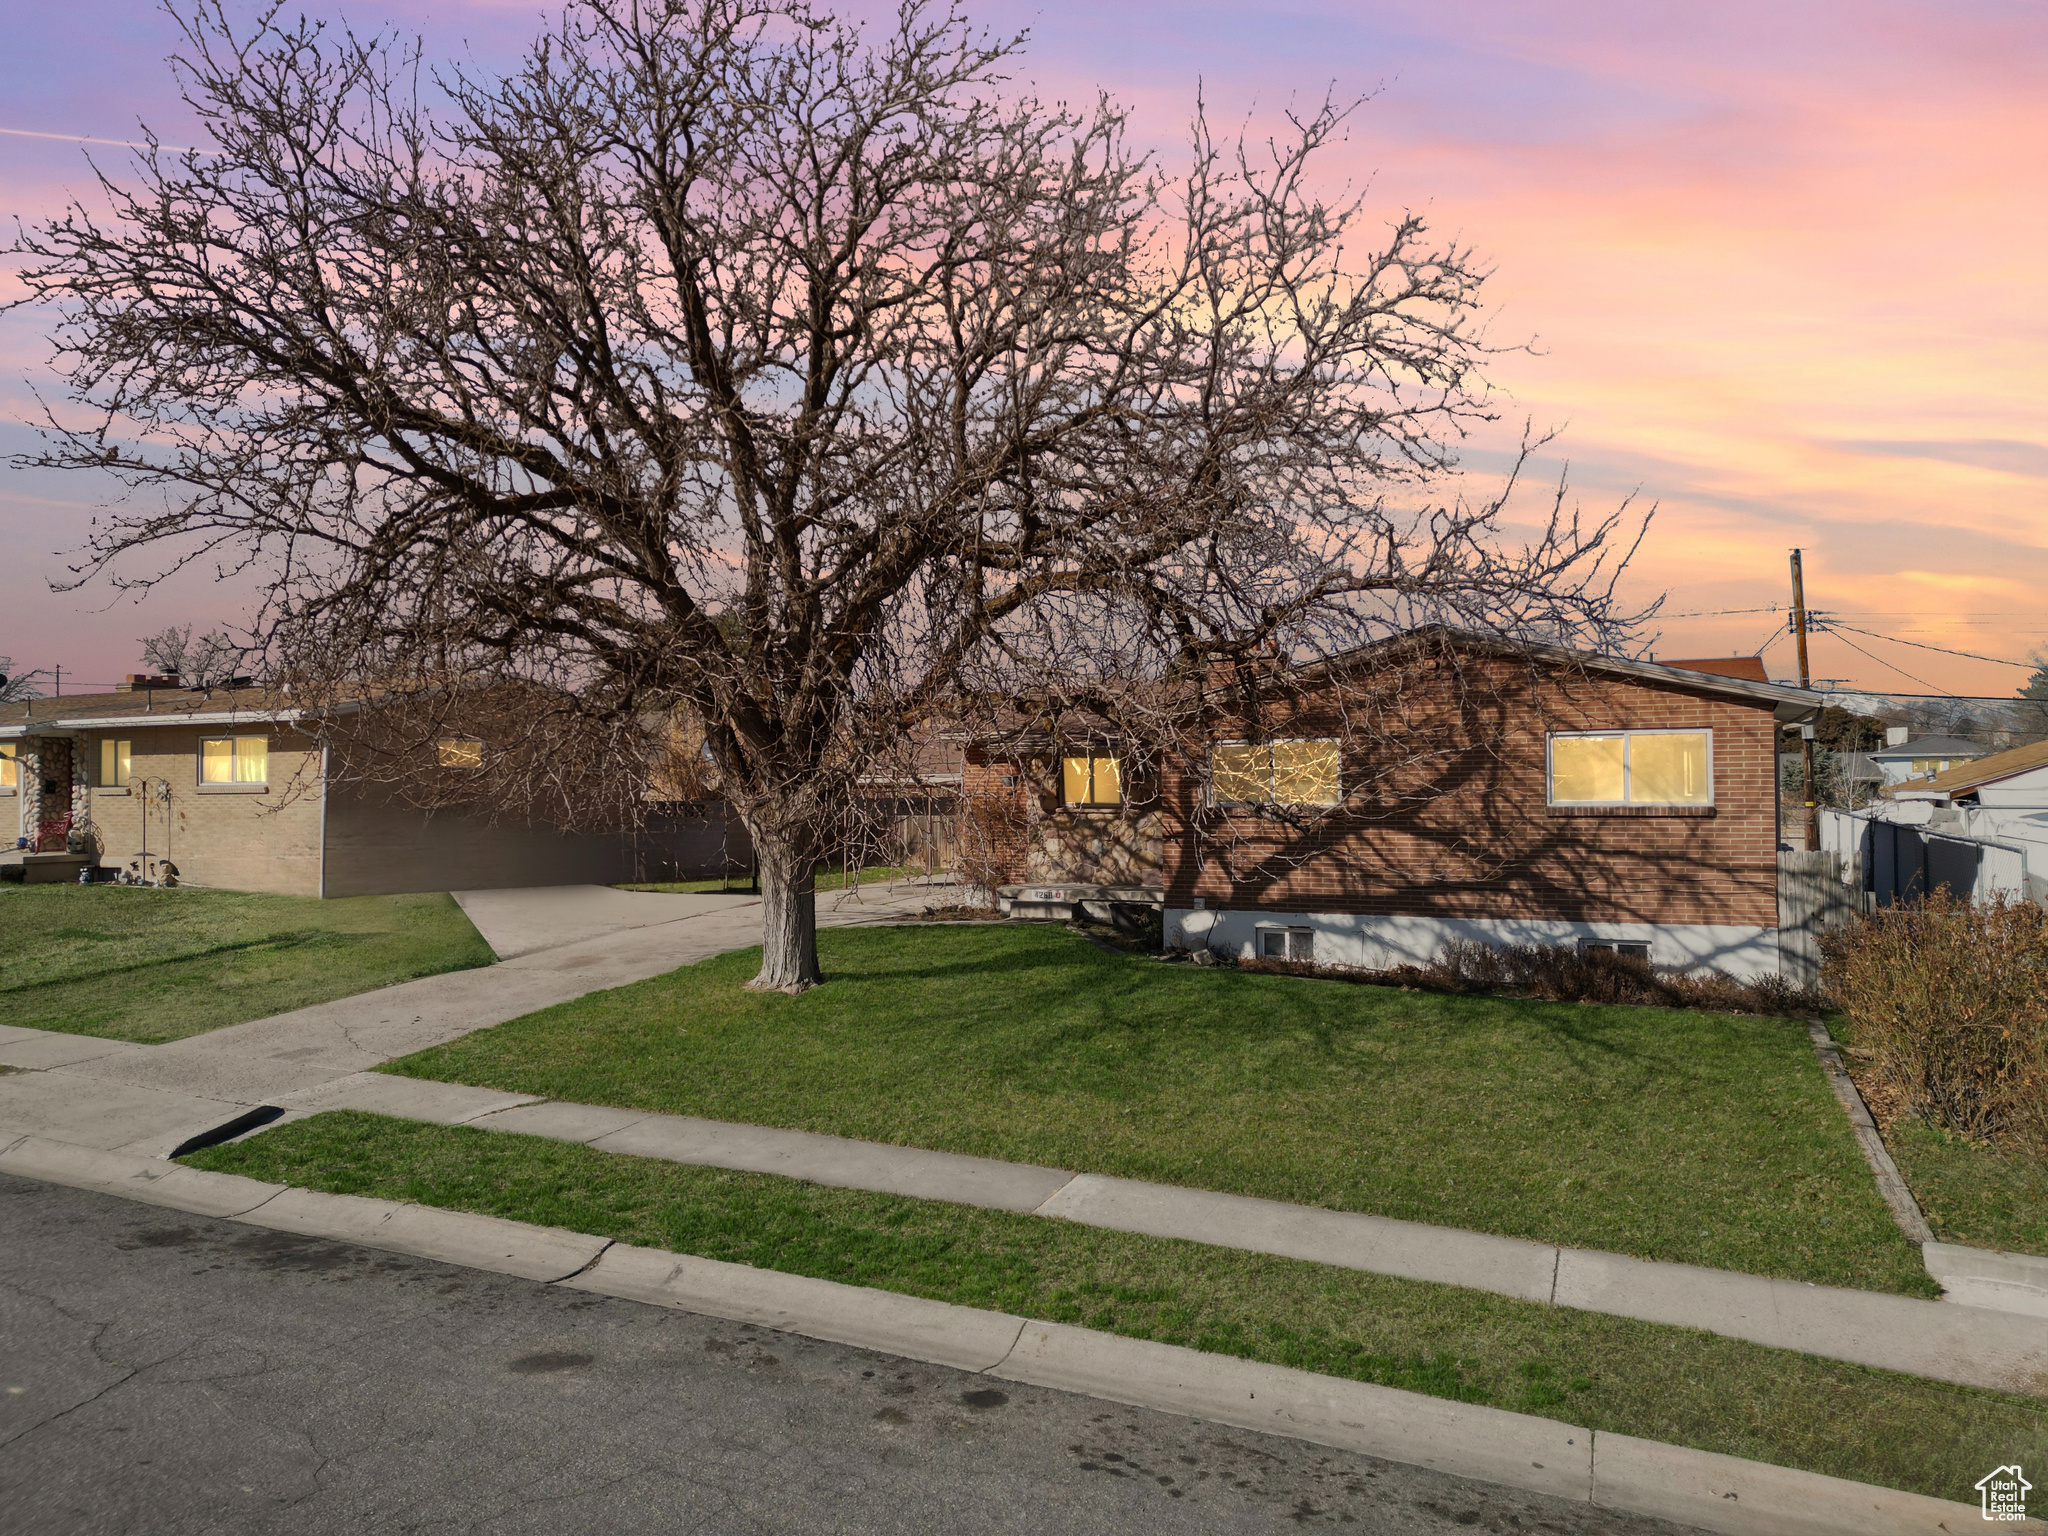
(230, 787)
(1434, 787)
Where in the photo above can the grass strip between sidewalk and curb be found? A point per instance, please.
(150, 966)
(1674, 1135)
(1660, 1383)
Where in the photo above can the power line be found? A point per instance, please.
(1898, 669)
(1831, 624)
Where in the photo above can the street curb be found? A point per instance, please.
(1463, 1439)
(1719, 1493)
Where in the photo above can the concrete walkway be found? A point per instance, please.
(145, 1100)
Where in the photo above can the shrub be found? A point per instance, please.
(1562, 973)
(1950, 1007)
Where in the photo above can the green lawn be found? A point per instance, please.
(1972, 1193)
(156, 965)
(1669, 1384)
(827, 880)
(1687, 1136)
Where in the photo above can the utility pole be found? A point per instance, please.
(1805, 681)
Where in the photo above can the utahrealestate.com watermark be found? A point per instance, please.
(2005, 1493)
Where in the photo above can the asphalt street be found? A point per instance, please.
(166, 1373)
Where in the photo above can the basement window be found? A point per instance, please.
(460, 752)
(1287, 944)
(1091, 781)
(1632, 768)
(1628, 949)
(234, 760)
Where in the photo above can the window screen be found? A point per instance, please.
(1238, 775)
(1091, 781)
(234, 760)
(1632, 768)
(1287, 944)
(1276, 773)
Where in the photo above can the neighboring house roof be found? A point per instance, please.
(1988, 770)
(1748, 667)
(161, 706)
(1929, 746)
(1859, 767)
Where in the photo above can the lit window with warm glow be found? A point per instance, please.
(1277, 773)
(234, 760)
(114, 763)
(461, 752)
(1091, 781)
(10, 766)
(1632, 768)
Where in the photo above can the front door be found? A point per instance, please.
(53, 768)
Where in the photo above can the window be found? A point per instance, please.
(10, 766)
(234, 760)
(1930, 766)
(1627, 949)
(1287, 944)
(114, 761)
(461, 752)
(1091, 781)
(1632, 768)
(1276, 773)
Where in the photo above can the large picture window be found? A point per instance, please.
(1632, 768)
(1091, 781)
(114, 763)
(234, 760)
(1276, 773)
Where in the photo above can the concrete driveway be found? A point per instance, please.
(524, 922)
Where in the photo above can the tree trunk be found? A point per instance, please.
(789, 917)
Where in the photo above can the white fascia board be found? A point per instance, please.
(126, 722)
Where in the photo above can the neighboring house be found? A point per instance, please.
(229, 788)
(1559, 798)
(1922, 757)
(1981, 829)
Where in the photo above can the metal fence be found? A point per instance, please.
(1890, 863)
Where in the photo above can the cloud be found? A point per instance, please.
(1998, 453)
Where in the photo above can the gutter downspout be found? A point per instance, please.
(323, 818)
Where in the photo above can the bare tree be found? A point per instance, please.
(208, 661)
(16, 686)
(721, 359)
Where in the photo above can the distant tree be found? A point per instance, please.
(14, 686)
(2033, 697)
(725, 361)
(1840, 731)
(206, 662)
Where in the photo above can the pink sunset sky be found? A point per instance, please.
(1782, 265)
